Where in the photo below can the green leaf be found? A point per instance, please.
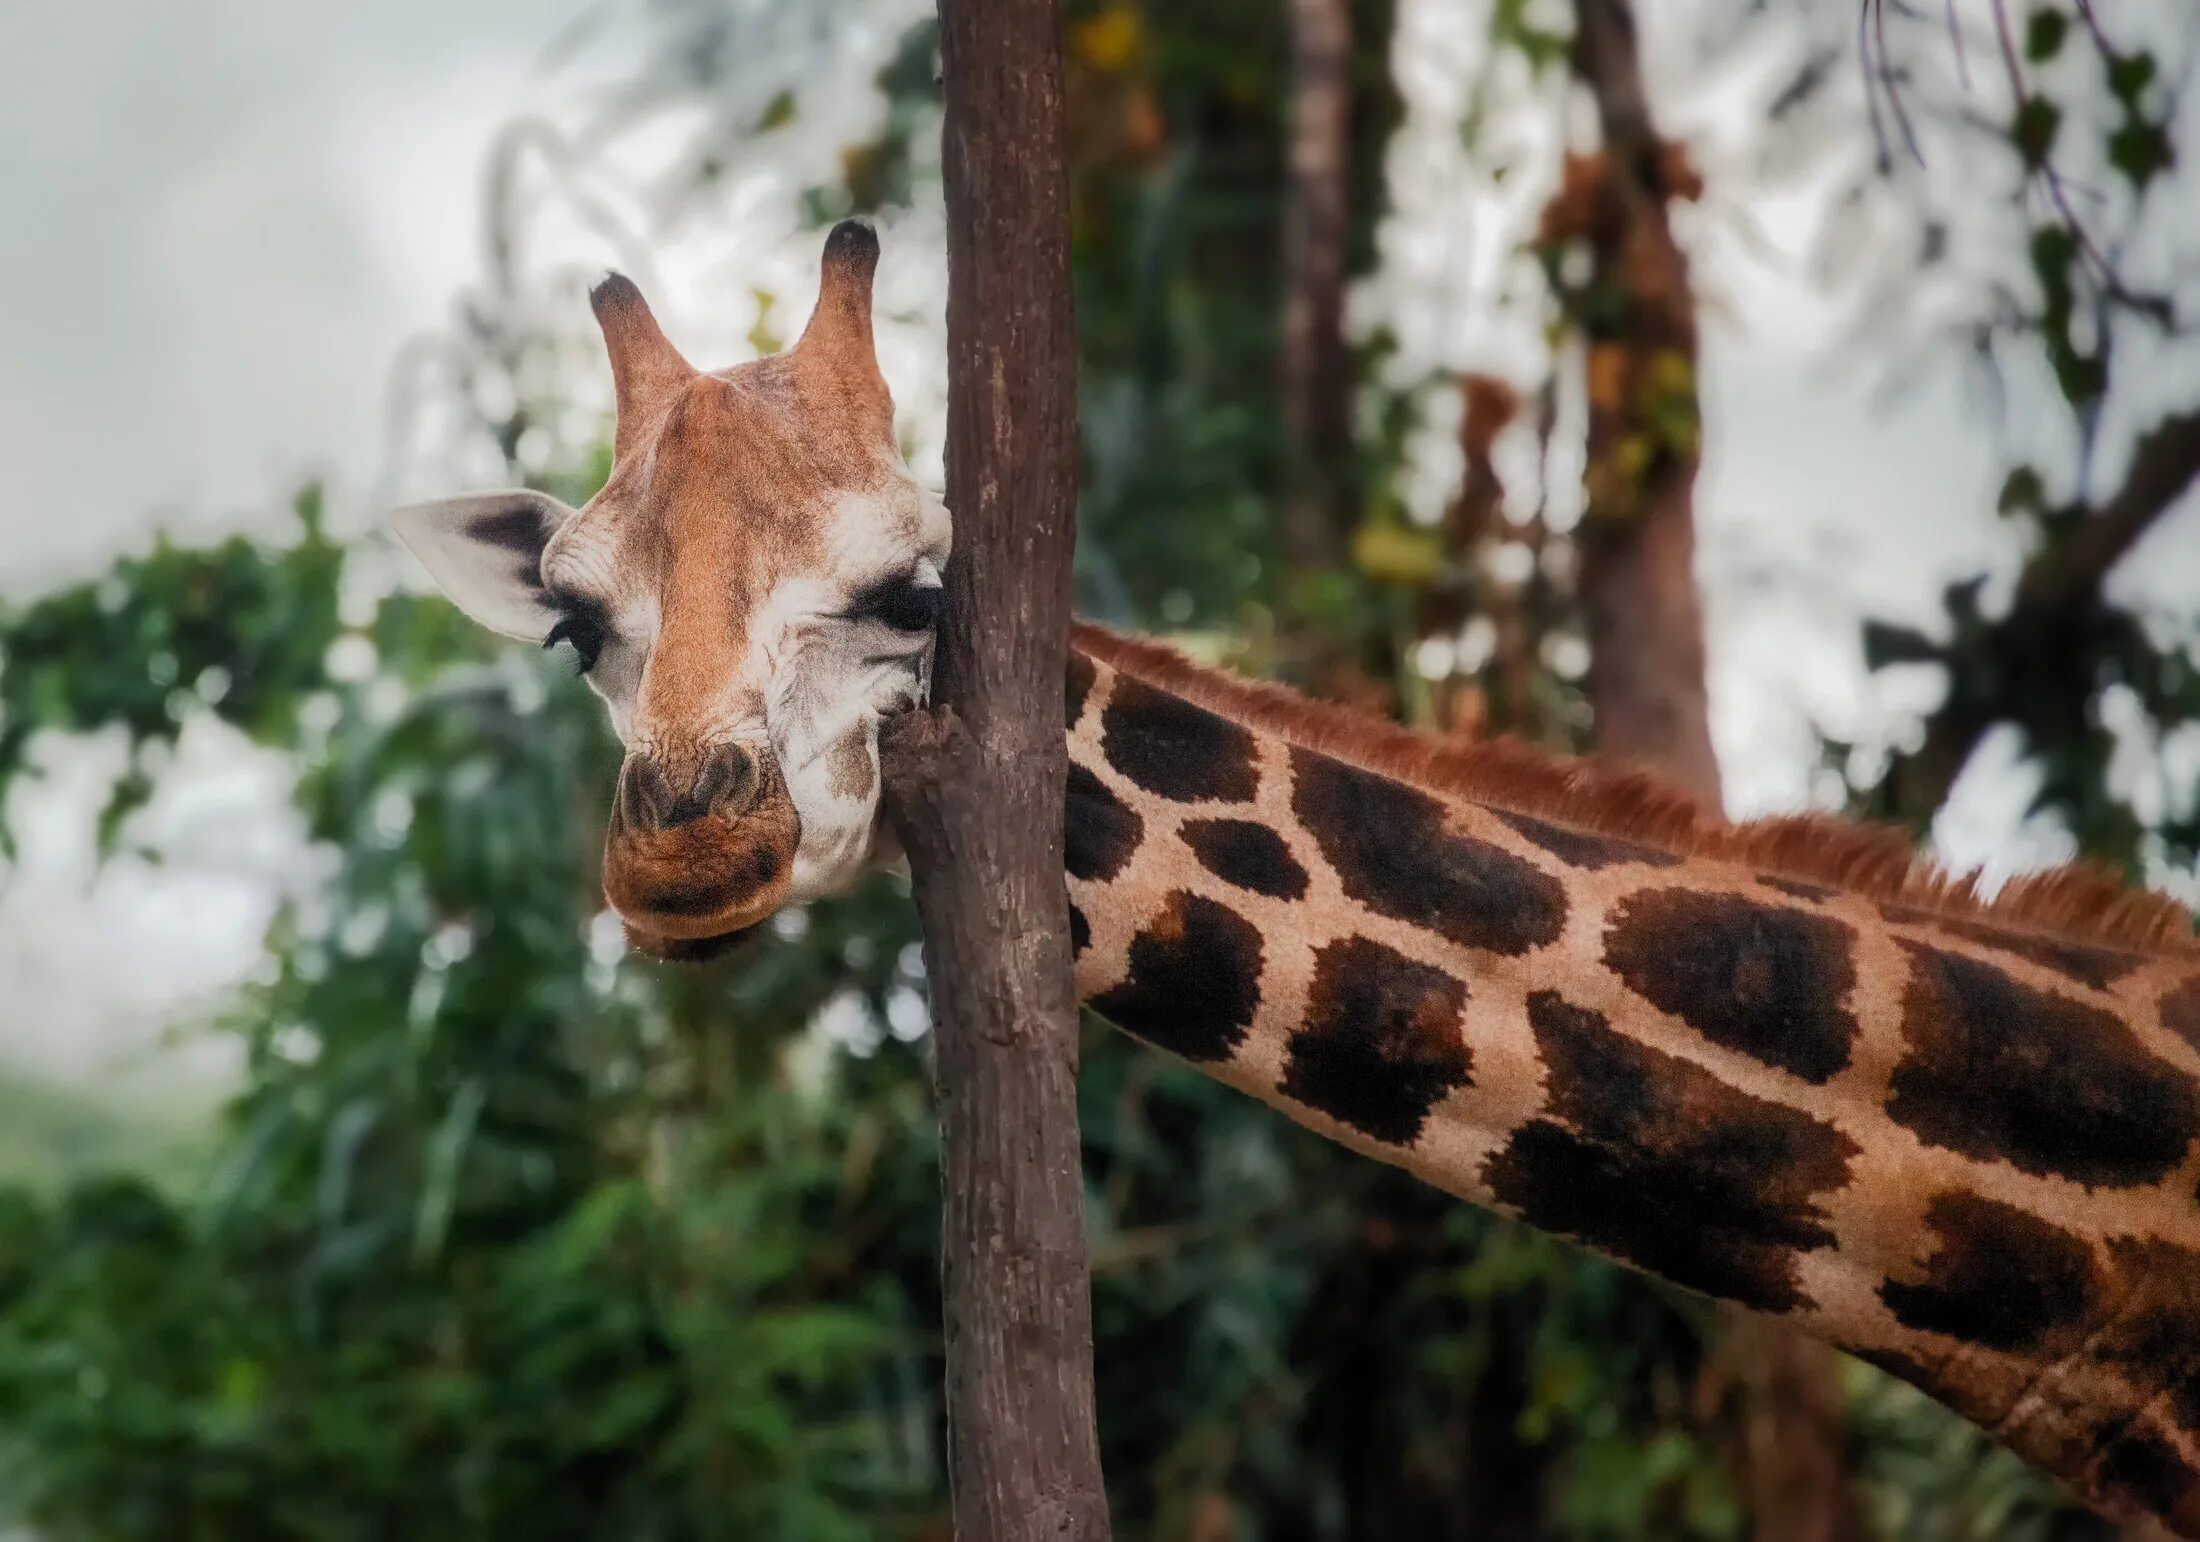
(446, 1159)
(2044, 33)
(1396, 553)
(2033, 131)
(778, 113)
(2141, 151)
(2129, 75)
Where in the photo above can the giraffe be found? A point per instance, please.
(1781, 1064)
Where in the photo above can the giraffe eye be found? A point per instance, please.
(901, 603)
(584, 630)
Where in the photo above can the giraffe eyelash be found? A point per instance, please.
(585, 632)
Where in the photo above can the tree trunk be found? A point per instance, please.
(1646, 682)
(975, 791)
(1315, 365)
(1637, 540)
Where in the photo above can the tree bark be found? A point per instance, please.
(975, 788)
(1316, 366)
(1638, 540)
(1646, 682)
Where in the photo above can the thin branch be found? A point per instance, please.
(1955, 41)
(1316, 367)
(1891, 81)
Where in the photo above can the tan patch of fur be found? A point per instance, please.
(849, 770)
(2081, 903)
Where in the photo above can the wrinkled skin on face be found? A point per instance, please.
(751, 593)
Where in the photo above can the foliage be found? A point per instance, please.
(458, 1269)
(505, 1235)
(2052, 658)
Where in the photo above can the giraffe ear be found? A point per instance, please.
(485, 551)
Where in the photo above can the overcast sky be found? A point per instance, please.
(224, 217)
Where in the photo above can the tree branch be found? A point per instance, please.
(1316, 366)
(2165, 462)
(975, 792)
(2058, 597)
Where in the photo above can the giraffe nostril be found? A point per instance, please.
(645, 797)
(725, 785)
(732, 781)
(702, 794)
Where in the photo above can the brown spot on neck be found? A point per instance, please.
(1176, 750)
(1769, 980)
(1393, 851)
(1657, 1162)
(2079, 904)
(1382, 1040)
(2002, 1072)
(1194, 980)
(1998, 1277)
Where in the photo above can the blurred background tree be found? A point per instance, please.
(502, 1234)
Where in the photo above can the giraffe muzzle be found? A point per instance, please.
(696, 856)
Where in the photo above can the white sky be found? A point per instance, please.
(225, 216)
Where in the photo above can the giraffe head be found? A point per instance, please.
(751, 593)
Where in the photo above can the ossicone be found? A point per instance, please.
(645, 367)
(840, 327)
(853, 243)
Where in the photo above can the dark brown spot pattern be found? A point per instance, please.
(2001, 1072)
(1391, 851)
(1175, 750)
(2144, 1471)
(1768, 980)
(1584, 848)
(2002, 1279)
(519, 528)
(1194, 980)
(2154, 1338)
(2094, 966)
(1099, 830)
(1661, 1164)
(1796, 888)
(2181, 1011)
(1998, 1277)
(1382, 1042)
(2097, 967)
(1247, 855)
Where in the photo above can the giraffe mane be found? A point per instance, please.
(2082, 902)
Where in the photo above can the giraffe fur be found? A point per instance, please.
(1921, 1125)
(1783, 1063)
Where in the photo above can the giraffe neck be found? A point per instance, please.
(1951, 1138)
